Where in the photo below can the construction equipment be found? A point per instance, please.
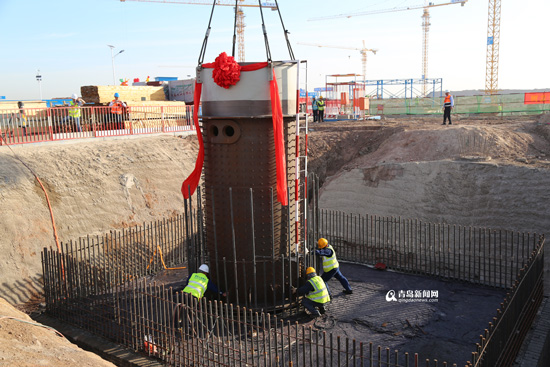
(240, 14)
(493, 40)
(362, 50)
(425, 26)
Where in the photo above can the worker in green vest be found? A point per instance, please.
(315, 293)
(320, 109)
(331, 267)
(198, 283)
(74, 111)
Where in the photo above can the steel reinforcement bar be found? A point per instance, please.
(472, 254)
(102, 284)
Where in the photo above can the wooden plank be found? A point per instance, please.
(104, 94)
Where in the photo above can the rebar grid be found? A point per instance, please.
(103, 289)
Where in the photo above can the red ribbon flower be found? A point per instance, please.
(226, 71)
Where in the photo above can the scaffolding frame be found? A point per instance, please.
(352, 87)
(413, 88)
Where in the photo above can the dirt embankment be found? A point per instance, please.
(93, 187)
(96, 186)
(26, 344)
(490, 173)
(338, 146)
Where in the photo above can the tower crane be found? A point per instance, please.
(240, 14)
(362, 50)
(425, 26)
(493, 40)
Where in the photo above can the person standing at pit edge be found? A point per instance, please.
(448, 105)
(314, 108)
(321, 109)
(331, 267)
(117, 107)
(198, 283)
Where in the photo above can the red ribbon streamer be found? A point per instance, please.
(278, 132)
(190, 184)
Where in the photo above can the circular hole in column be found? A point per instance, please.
(228, 130)
(214, 131)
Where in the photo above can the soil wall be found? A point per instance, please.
(93, 186)
(461, 192)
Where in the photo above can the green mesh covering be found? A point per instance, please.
(501, 104)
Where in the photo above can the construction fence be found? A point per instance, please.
(33, 125)
(104, 285)
(501, 104)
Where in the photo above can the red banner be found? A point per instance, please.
(537, 98)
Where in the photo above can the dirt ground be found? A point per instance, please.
(98, 185)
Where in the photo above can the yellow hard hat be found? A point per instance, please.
(310, 270)
(322, 243)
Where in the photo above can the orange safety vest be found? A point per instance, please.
(116, 107)
(447, 102)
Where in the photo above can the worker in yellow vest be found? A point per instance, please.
(198, 283)
(331, 267)
(321, 109)
(315, 293)
(74, 111)
(448, 105)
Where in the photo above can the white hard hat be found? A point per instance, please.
(204, 268)
(74, 96)
(447, 91)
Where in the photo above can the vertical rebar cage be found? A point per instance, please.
(248, 233)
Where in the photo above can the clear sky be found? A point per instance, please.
(67, 41)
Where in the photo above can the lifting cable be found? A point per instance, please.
(235, 28)
(205, 41)
(286, 32)
(266, 41)
(56, 238)
(267, 50)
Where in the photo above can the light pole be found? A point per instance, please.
(39, 80)
(113, 61)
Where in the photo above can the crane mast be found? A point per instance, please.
(493, 41)
(425, 29)
(363, 51)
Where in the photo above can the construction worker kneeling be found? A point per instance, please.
(198, 283)
(188, 316)
(315, 293)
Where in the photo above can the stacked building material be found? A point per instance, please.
(102, 94)
(12, 105)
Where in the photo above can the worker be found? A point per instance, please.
(22, 117)
(448, 105)
(314, 108)
(321, 109)
(331, 268)
(316, 293)
(117, 108)
(74, 112)
(198, 283)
